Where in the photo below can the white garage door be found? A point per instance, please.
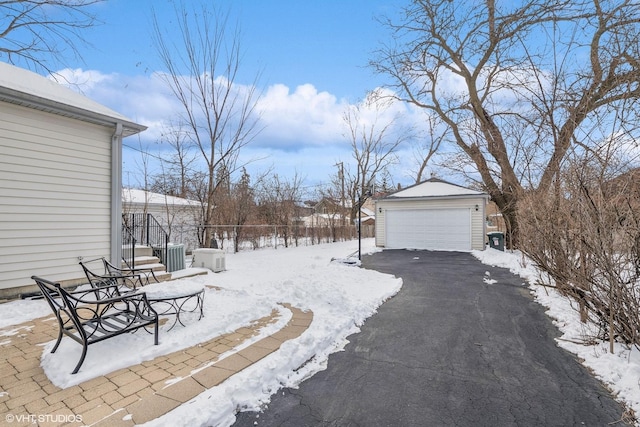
(436, 229)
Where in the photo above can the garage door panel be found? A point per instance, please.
(437, 229)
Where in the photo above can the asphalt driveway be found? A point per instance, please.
(448, 350)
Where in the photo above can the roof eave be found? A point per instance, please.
(451, 196)
(47, 105)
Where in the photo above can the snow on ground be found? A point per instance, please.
(620, 371)
(20, 311)
(341, 297)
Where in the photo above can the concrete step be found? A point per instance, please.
(141, 250)
(151, 262)
(144, 261)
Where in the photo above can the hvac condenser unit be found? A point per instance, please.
(213, 259)
(175, 257)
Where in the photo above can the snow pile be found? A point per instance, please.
(19, 311)
(620, 371)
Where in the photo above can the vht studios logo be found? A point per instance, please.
(43, 418)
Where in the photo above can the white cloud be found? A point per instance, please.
(304, 117)
(301, 118)
(144, 99)
(81, 80)
(303, 129)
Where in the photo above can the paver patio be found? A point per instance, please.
(128, 396)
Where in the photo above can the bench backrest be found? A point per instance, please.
(115, 280)
(61, 304)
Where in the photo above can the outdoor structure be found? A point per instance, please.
(435, 215)
(495, 220)
(60, 180)
(368, 216)
(177, 216)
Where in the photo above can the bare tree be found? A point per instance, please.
(41, 32)
(177, 169)
(331, 209)
(278, 203)
(218, 114)
(236, 206)
(374, 137)
(518, 84)
(427, 147)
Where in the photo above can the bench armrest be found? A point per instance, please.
(109, 300)
(140, 271)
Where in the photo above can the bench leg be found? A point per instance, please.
(84, 353)
(157, 324)
(55, 347)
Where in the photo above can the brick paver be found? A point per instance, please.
(131, 395)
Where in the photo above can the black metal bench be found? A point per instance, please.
(95, 314)
(123, 282)
(145, 274)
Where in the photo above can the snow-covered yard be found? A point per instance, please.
(341, 297)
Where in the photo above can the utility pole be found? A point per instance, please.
(341, 176)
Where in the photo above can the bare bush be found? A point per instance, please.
(585, 234)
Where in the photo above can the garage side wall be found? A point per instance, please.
(55, 186)
(477, 217)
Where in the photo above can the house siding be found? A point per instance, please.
(55, 192)
(477, 217)
(178, 221)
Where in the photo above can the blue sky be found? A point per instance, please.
(312, 56)
(325, 43)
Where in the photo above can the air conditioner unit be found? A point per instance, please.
(213, 259)
(175, 257)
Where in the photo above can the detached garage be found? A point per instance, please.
(435, 215)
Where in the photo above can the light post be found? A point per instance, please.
(366, 195)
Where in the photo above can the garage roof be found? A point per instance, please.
(435, 188)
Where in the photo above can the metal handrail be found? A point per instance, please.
(128, 242)
(146, 230)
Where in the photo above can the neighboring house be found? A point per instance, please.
(367, 216)
(328, 213)
(435, 215)
(327, 206)
(624, 186)
(495, 220)
(60, 180)
(179, 217)
(321, 220)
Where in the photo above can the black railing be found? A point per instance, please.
(146, 230)
(128, 243)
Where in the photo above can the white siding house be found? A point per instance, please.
(435, 215)
(178, 217)
(60, 180)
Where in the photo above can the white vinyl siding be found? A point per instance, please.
(55, 196)
(443, 205)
